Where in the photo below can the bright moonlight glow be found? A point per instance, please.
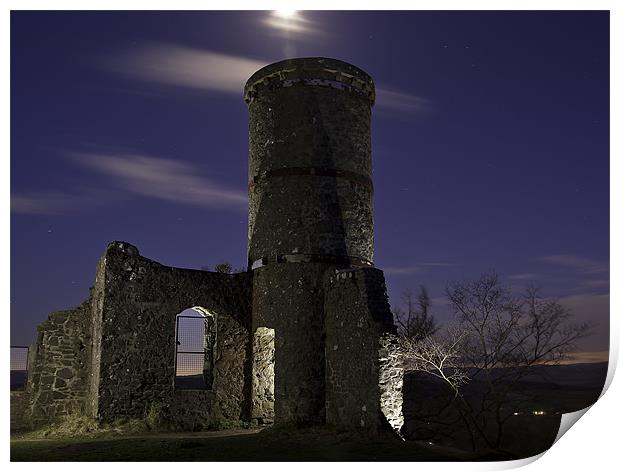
(288, 21)
(286, 14)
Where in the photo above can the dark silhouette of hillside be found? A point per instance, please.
(537, 404)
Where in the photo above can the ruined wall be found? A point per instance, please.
(97, 295)
(135, 332)
(59, 369)
(289, 299)
(20, 417)
(357, 313)
(310, 213)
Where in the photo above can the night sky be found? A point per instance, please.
(490, 146)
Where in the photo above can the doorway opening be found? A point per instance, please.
(263, 375)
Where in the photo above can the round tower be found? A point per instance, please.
(310, 210)
(310, 167)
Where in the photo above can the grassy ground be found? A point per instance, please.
(231, 445)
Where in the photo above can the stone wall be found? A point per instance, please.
(192, 410)
(357, 313)
(59, 369)
(137, 301)
(288, 298)
(97, 316)
(391, 376)
(20, 418)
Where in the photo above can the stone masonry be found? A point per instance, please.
(297, 337)
(59, 365)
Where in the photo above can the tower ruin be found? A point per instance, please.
(310, 210)
(296, 338)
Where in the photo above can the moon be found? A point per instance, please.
(286, 14)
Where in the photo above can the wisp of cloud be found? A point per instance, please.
(164, 179)
(184, 67)
(200, 69)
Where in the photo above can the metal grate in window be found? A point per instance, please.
(19, 367)
(195, 338)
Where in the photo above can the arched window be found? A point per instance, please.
(195, 347)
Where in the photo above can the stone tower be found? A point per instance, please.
(310, 211)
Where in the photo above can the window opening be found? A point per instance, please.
(19, 367)
(195, 343)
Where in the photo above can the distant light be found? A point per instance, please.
(538, 412)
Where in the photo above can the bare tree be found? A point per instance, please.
(438, 356)
(499, 339)
(415, 321)
(223, 268)
(510, 331)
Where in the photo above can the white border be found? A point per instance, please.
(591, 445)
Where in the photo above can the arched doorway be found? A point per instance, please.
(195, 348)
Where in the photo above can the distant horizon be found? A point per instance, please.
(587, 358)
(563, 363)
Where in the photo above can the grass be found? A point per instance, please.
(79, 438)
(231, 445)
(76, 425)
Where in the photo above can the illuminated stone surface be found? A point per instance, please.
(263, 375)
